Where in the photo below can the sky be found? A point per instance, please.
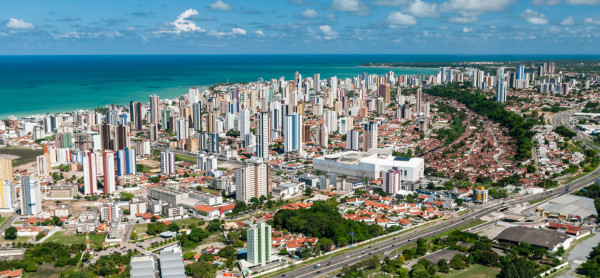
(300, 26)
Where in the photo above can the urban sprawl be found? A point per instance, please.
(487, 166)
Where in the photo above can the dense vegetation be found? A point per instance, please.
(565, 132)
(518, 127)
(456, 128)
(322, 220)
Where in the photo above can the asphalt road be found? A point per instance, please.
(337, 262)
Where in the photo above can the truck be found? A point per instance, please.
(317, 265)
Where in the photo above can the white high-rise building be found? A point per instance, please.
(251, 181)
(392, 181)
(196, 116)
(500, 86)
(182, 129)
(167, 163)
(317, 82)
(292, 133)
(206, 163)
(8, 196)
(109, 172)
(419, 96)
(244, 123)
(31, 198)
(259, 244)
(262, 139)
(322, 136)
(90, 174)
(330, 120)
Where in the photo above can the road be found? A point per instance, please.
(391, 244)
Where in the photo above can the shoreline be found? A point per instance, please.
(394, 67)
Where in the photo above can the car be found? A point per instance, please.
(363, 252)
(282, 275)
(318, 271)
(393, 245)
(369, 246)
(369, 253)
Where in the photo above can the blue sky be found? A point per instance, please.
(300, 26)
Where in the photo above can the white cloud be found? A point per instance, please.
(568, 21)
(234, 31)
(546, 2)
(583, 2)
(358, 7)
(463, 19)
(470, 8)
(423, 9)
(534, 17)
(221, 6)
(309, 13)
(589, 20)
(183, 24)
(259, 32)
(15, 23)
(398, 18)
(328, 32)
(390, 2)
(467, 30)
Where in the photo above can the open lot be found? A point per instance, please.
(64, 238)
(25, 155)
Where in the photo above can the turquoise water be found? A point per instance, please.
(40, 84)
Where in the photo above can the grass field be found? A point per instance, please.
(475, 271)
(182, 157)
(59, 237)
(459, 228)
(538, 200)
(141, 229)
(25, 155)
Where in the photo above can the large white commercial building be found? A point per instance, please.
(370, 165)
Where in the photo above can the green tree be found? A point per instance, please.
(10, 233)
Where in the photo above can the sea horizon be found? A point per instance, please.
(39, 84)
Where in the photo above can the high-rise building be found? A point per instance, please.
(500, 86)
(213, 143)
(322, 136)
(292, 133)
(369, 136)
(353, 140)
(135, 114)
(419, 96)
(392, 180)
(167, 163)
(384, 92)
(109, 213)
(262, 140)
(520, 72)
(330, 120)
(8, 195)
(6, 167)
(108, 164)
(259, 244)
(197, 115)
(43, 165)
(317, 82)
(251, 181)
(90, 174)
(31, 200)
(126, 162)
(154, 110)
(480, 195)
(244, 123)
(182, 128)
(206, 163)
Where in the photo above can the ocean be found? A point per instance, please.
(50, 84)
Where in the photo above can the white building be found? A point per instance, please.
(259, 244)
(206, 163)
(167, 163)
(8, 195)
(262, 140)
(43, 165)
(392, 181)
(31, 200)
(251, 181)
(370, 165)
(292, 133)
(110, 178)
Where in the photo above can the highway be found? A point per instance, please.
(388, 245)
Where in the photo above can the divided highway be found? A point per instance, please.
(388, 245)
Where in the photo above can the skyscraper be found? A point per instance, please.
(369, 135)
(126, 162)
(353, 140)
(90, 184)
(262, 140)
(317, 82)
(197, 115)
(8, 195)
(419, 96)
(384, 92)
(244, 123)
(520, 72)
(259, 244)
(31, 200)
(292, 133)
(108, 164)
(154, 110)
(251, 181)
(500, 86)
(167, 163)
(322, 136)
(6, 167)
